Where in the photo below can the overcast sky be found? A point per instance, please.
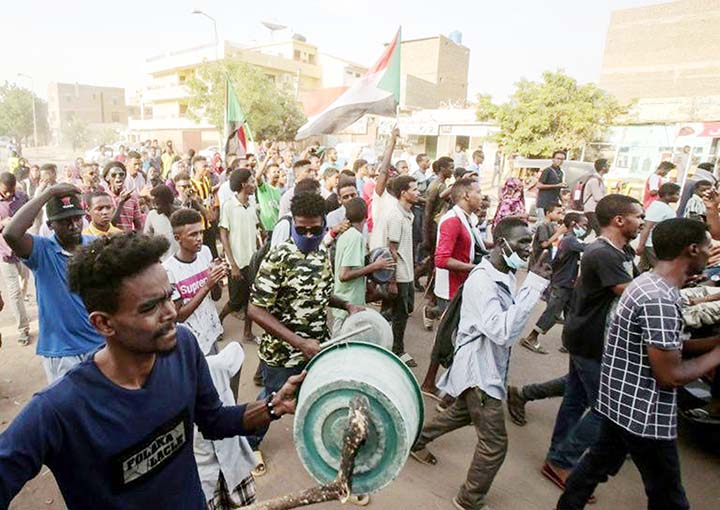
(106, 43)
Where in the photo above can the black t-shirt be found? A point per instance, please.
(603, 266)
(566, 263)
(543, 233)
(546, 197)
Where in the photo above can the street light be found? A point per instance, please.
(217, 41)
(32, 95)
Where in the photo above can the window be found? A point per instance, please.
(270, 77)
(311, 58)
(183, 108)
(296, 55)
(115, 116)
(114, 100)
(182, 78)
(94, 97)
(68, 98)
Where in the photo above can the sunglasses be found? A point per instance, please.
(314, 231)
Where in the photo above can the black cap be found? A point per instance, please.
(59, 208)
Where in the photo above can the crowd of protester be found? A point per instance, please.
(130, 254)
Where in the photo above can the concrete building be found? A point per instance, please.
(293, 63)
(666, 57)
(97, 106)
(433, 72)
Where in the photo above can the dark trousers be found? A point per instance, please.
(577, 424)
(401, 309)
(210, 239)
(273, 380)
(657, 460)
(486, 414)
(558, 301)
(548, 389)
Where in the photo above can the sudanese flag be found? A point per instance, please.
(237, 131)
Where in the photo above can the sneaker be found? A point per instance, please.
(408, 360)
(24, 340)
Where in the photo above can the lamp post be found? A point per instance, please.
(32, 95)
(217, 41)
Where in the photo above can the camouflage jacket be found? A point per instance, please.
(295, 288)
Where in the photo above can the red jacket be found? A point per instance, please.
(454, 241)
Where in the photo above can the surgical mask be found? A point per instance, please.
(304, 243)
(513, 260)
(579, 232)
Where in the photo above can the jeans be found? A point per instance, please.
(14, 273)
(543, 390)
(656, 459)
(273, 380)
(577, 424)
(487, 416)
(401, 309)
(558, 301)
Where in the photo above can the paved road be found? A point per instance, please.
(518, 485)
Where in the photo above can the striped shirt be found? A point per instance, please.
(131, 217)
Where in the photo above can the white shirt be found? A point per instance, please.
(382, 205)
(158, 224)
(656, 212)
(233, 455)
(492, 318)
(188, 278)
(285, 202)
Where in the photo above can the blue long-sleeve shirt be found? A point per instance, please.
(113, 448)
(492, 318)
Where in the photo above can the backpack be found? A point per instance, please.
(444, 346)
(578, 197)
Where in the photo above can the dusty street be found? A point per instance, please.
(518, 485)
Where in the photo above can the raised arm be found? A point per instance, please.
(383, 175)
(15, 232)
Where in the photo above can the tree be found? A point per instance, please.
(485, 110)
(555, 113)
(77, 132)
(16, 117)
(272, 111)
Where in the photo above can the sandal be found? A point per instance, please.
(434, 393)
(424, 457)
(705, 414)
(260, 467)
(408, 360)
(549, 472)
(534, 347)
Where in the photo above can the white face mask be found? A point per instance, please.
(513, 260)
(579, 232)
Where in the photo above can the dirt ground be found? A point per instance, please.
(418, 487)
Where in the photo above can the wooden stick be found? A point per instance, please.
(339, 489)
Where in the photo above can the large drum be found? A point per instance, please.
(396, 413)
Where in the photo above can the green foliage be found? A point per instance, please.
(555, 113)
(485, 110)
(271, 111)
(16, 118)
